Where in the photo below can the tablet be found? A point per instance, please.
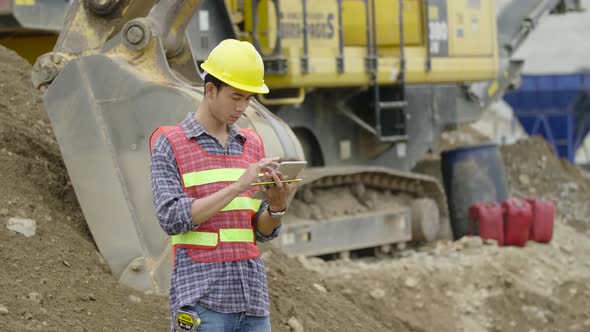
(290, 170)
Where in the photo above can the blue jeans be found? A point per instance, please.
(220, 322)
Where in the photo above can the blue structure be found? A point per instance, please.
(556, 107)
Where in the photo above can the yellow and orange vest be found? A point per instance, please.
(228, 235)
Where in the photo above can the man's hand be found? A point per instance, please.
(252, 173)
(278, 193)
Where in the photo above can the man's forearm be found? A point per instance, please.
(203, 209)
(267, 224)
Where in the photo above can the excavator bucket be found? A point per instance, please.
(103, 108)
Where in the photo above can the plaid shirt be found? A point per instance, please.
(227, 287)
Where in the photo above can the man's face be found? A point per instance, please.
(227, 104)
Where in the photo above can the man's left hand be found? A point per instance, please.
(277, 194)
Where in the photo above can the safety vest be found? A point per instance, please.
(228, 235)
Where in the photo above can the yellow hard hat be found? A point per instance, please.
(238, 64)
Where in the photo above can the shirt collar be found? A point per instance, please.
(193, 129)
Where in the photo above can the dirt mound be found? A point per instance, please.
(55, 280)
(300, 294)
(469, 286)
(533, 170)
(31, 163)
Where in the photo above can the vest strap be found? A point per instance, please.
(243, 203)
(212, 176)
(210, 239)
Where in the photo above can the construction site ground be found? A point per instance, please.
(56, 280)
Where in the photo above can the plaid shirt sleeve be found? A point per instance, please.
(259, 236)
(173, 206)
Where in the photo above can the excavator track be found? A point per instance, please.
(382, 206)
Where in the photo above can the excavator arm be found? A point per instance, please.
(516, 20)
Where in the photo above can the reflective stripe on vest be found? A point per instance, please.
(219, 175)
(209, 239)
(243, 203)
(211, 176)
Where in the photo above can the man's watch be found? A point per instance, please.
(276, 214)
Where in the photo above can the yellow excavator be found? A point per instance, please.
(361, 89)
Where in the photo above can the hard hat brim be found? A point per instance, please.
(244, 87)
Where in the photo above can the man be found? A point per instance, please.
(202, 171)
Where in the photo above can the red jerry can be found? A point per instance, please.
(485, 220)
(543, 219)
(518, 219)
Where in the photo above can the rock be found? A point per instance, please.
(4, 212)
(566, 248)
(295, 325)
(134, 298)
(573, 291)
(347, 291)
(35, 297)
(285, 306)
(316, 212)
(524, 179)
(490, 242)
(407, 253)
(472, 241)
(3, 310)
(320, 288)
(266, 255)
(540, 315)
(411, 282)
(66, 263)
(513, 323)
(26, 227)
(89, 297)
(377, 293)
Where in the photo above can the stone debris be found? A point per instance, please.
(26, 227)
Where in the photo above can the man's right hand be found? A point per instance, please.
(252, 173)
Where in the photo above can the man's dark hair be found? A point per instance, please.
(216, 82)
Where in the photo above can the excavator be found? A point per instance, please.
(361, 89)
